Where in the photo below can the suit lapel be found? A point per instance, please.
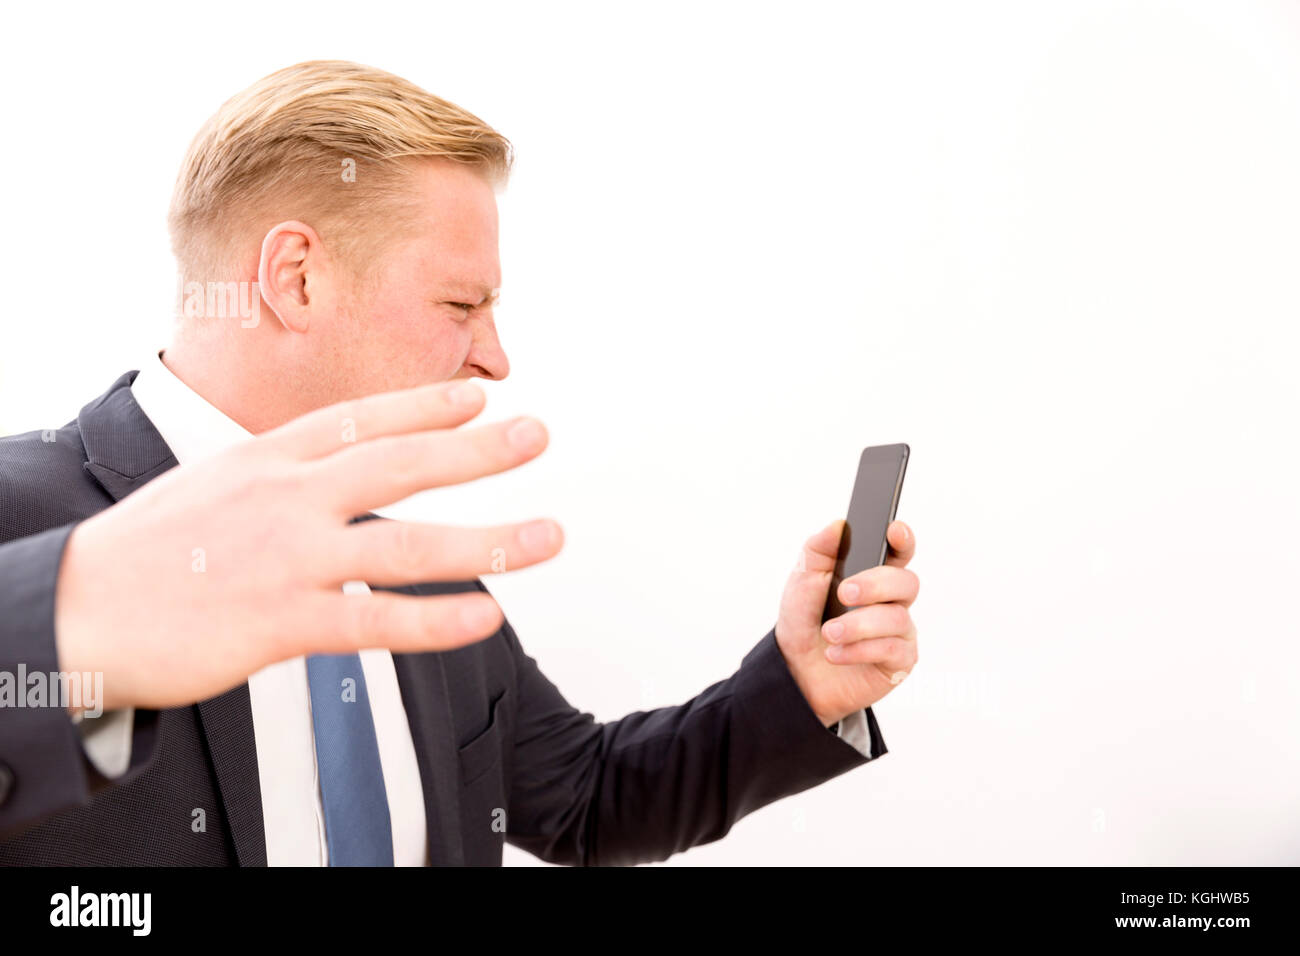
(227, 723)
(124, 452)
(422, 680)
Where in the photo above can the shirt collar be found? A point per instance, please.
(192, 427)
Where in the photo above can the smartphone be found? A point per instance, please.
(873, 505)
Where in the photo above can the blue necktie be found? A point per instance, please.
(357, 828)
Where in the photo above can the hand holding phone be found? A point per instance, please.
(845, 662)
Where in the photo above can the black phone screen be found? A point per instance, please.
(871, 509)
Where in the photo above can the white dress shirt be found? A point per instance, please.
(293, 817)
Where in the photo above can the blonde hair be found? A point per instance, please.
(327, 142)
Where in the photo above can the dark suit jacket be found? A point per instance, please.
(490, 730)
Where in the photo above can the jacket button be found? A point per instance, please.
(6, 784)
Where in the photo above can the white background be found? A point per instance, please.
(1052, 246)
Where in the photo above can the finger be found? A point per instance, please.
(902, 544)
(392, 553)
(326, 430)
(343, 623)
(879, 585)
(866, 623)
(893, 655)
(386, 470)
(820, 551)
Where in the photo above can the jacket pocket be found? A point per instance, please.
(483, 752)
(483, 787)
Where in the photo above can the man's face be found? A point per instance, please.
(426, 315)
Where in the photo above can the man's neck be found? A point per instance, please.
(240, 390)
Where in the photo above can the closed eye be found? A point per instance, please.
(486, 303)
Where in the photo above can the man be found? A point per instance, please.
(336, 231)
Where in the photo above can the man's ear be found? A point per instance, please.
(292, 275)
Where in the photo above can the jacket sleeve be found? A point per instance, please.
(44, 767)
(657, 782)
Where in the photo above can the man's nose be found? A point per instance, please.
(487, 358)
